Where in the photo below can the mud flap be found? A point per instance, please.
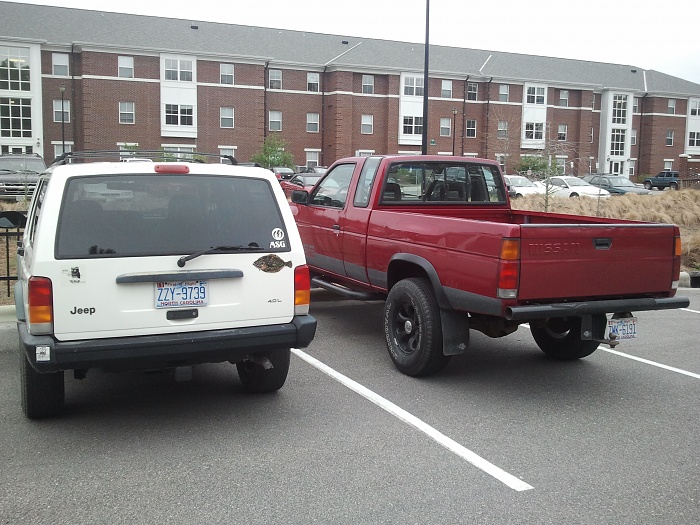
(455, 331)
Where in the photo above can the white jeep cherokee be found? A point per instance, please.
(145, 265)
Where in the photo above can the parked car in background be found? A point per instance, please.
(665, 179)
(301, 181)
(282, 172)
(519, 186)
(569, 186)
(19, 174)
(314, 169)
(615, 184)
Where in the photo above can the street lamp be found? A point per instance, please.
(454, 121)
(62, 89)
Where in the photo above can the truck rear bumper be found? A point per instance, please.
(577, 309)
(165, 350)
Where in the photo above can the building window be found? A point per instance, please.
(127, 113)
(274, 79)
(16, 117)
(312, 158)
(633, 137)
(635, 105)
(472, 91)
(312, 82)
(59, 64)
(445, 127)
(179, 152)
(695, 108)
(619, 110)
(446, 91)
(125, 67)
(368, 84)
(592, 134)
(503, 92)
(561, 132)
(312, 122)
(563, 98)
(226, 117)
(413, 86)
(593, 102)
(502, 129)
(229, 151)
(694, 138)
(275, 121)
(59, 149)
(471, 129)
(176, 69)
(668, 165)
(226, 74)
(534, 130)
(179, 115)
(127, 149)
(535, 95)
(669, 138)
(58, 111)
(413, 125)
(14, 68)
(367, 125)
(672, 106)
(617, 142)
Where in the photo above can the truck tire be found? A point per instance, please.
(560, 337)
(412, 328)
(42, 394)
(647, 184)
(258, 379)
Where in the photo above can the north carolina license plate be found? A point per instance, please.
(623, 328)
(182, 294)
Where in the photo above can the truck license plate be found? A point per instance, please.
(623, 328)
(182, 294)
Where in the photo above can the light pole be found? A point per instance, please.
(62, 89)
(454, 121)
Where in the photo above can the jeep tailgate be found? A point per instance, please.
(590, 260)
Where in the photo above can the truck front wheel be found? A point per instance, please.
(412, 328)
(560, 337)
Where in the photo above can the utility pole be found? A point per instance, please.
(424, 148)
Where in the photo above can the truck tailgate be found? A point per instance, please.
(583, 261)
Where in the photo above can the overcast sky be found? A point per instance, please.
(651, 35)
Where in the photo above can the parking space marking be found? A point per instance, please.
(652, 363)
(466, 454)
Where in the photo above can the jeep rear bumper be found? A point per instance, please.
(165, 350)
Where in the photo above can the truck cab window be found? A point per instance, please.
(332, 191)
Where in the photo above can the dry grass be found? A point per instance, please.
(676, 207)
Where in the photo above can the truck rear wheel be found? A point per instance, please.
(42, 394)
(412, 328)
(262, 378)
(560, 337)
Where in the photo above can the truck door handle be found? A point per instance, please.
(602, 243)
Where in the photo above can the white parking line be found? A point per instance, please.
(476, 460)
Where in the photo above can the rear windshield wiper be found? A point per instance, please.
(224, 248)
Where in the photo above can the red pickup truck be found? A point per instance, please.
(437, 238)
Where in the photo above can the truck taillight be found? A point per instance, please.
(509, 269)
(40, 298)
(302, 290)
(677, 251)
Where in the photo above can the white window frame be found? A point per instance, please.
(413, 86)
(226, 73)
(563, 98)
(274, 79)
(227, 150)
(503, 92)
(313, 122)
(617, 142)
(502, 129)
(368, 84)
(535, 95)
(635, 105)
(58, 148)
(181, 114)
(57, 110)
(534, 130)
(446, 90)
(125, 67)
(367, 125)
(693, 139)
(412, 125)
(313, 82)
(60, 64)
(178, 69)
(562, 132)
(126, 109)
(669, 137)
(472, 91)
(695, 108)
(276, 117)
(445, 127)
(668, 165)
(227, 116)
(312, 157)
(633, 137)
(671, 106)
(470, 129)
(619, 109)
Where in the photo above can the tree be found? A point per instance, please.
(273, 153)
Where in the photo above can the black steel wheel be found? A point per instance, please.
(412, 328)
(560, 337)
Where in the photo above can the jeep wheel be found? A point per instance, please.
(412, 328)
(42, 394)
(647, 184)
(574, 195)
(560, 337)
(673, 186)
(267, 373)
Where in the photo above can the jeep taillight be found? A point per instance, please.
(509, 269)
(302, 290)
(40, 298)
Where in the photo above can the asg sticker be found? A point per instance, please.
(278, 236)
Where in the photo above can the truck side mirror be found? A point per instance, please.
(300, 197)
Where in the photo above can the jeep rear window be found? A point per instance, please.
(149, 215)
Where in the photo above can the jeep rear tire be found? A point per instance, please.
(647, 184)
(260, 379)
(412, 328)
(42, 394)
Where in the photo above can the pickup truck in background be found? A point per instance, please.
(437, 239)
(665, 179)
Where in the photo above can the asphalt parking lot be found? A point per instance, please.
(501, 436)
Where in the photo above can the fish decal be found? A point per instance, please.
(271, 263)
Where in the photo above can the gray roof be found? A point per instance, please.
(60, 26)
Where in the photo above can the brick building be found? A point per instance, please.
(131, 81)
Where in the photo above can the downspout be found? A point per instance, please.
(265, 70)
(464, 116)
(323, 117)
(74, 122)
(488, 115)
(641, 134)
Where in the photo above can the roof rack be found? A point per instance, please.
(135, 155)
